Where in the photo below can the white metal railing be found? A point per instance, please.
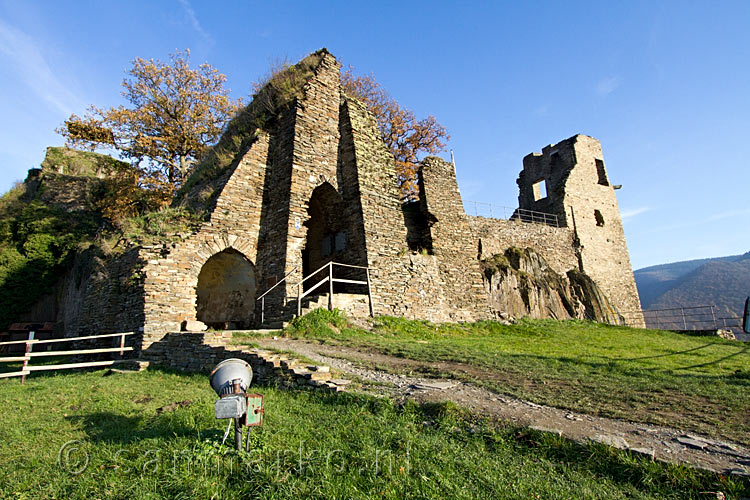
(331, 280)
(29, 354)
(500, 212)
(686, 318)
(262, 298)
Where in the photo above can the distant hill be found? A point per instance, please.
(722, 281)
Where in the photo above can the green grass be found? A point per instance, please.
(694, 383)
(312, 445)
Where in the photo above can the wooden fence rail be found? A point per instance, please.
(29, 354)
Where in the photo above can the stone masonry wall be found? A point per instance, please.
(325, 141)
(452, 241)
(593, 208)
(103, 294)
(555, 244)
(405, 283)
(314, 159)
(201, 352)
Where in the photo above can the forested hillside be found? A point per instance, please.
(723, 282)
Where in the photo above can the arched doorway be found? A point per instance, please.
(326, 230)
(226, 291)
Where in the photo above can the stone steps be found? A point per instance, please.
(317, 376)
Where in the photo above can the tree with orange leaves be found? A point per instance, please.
(406, 137)
(175, 113)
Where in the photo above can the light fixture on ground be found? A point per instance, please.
(230, 379)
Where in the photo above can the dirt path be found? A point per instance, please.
(661, 443)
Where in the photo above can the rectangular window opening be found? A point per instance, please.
(599, 218)
(539, 188)
(601, 172)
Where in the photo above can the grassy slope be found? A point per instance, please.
(428, 452)
(695, 383)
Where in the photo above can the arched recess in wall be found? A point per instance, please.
(329, 235)
(225, 295)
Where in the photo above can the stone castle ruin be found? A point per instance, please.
(301, 182)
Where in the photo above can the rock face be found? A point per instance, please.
(519, 282)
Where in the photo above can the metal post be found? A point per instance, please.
(684, 322)
(262, 309)
(330, 286)
(26, 361)
(299, 300)
(237, 421)
(713, 316)
(369, 292)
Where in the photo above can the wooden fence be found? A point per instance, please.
(29, 354)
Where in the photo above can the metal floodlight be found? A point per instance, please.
(230, 379)
(225, 373)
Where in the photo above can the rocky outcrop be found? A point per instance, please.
(519, 282)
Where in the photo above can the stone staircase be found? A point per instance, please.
(280, 366)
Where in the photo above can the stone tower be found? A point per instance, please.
(569, 180)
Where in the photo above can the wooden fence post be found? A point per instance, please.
(26, 361)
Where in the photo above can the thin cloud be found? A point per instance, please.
(628, 214)
(607, 85)
(727, 214)
(190, 13)
(22, 56)
(705, 220)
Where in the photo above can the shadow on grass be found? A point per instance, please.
(112, 427)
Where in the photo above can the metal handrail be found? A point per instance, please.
(330, 279)
(313, 274)
(688, 318)
(277, 283)
(262, 298)
(521, 214)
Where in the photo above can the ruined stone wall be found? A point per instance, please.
(315, 150)
(452, 241)
(555, 244)
(71, 193)
(201, 352)
(407, 283)
(102, 294)
(371, 168)
(593, 208)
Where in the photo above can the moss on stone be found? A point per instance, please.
(276, 97)
(80, 163)
(494, 264)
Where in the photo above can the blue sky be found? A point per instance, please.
(665, 86)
